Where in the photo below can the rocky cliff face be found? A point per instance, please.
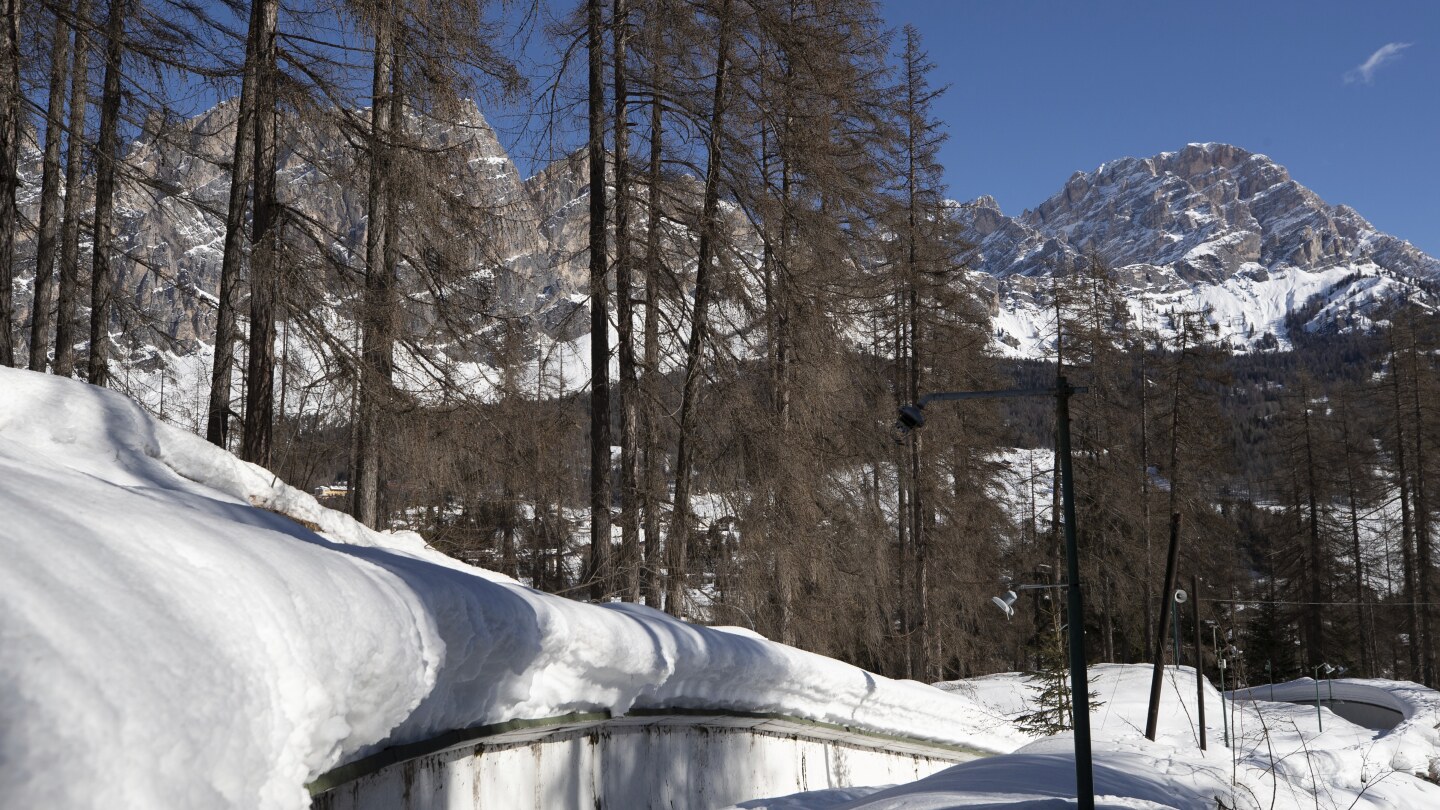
(1210, 227)
(171, 226)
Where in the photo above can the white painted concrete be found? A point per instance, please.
(1372, 704)
(640, 763)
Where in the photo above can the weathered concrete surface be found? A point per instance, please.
(632, 763)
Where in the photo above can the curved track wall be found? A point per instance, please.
(670, 760)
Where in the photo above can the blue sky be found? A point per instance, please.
(1039, 90)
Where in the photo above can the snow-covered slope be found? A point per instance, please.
(181, 629)
(1278, 757)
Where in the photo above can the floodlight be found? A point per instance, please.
(911, 418)
(1006, 603)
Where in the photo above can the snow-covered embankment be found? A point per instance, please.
(185, 630)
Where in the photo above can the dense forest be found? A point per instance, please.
(768, 242)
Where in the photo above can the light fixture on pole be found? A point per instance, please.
(1006, 603)
(911, 418)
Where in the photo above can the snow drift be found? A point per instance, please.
(182, 629)
(1277, 757)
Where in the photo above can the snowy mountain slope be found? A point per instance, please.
(181, 629)
(1210, 228)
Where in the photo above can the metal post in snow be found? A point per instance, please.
(1224, 713)
(1220, 664)
(1199, 665)
(1176, 618)
(912, 418)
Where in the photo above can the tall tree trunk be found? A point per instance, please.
(46, 241)
(1315, 635)
(65, 299)
(509, 561)
(625, 315)
(782, 307)
(779, 483)
(918, 535)
(381, 259)
(258, 445)
(654, 454)
(1424, 557)
(599, 574)
(1352, 499)
(904, 483)
(1407, 527)
(102, 233)
(676, 548)
(217, 419)
(10, 115)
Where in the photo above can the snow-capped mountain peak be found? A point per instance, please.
(1211, 226)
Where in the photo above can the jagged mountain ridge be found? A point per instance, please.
(170, 228)
(1211, 226)
(169, 221)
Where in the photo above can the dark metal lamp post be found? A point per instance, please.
(1221, 657)
(911, 418)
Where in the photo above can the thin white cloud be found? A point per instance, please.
(1364, 73)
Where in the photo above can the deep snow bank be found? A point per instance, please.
(168, 644)
(1278, 758)
(1411, 746)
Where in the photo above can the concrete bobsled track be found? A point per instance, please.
(642, 760)
(1363, 703)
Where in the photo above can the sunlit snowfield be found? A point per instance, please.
(182, 629)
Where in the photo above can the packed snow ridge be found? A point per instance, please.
(1277, 757)
(182, 629)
